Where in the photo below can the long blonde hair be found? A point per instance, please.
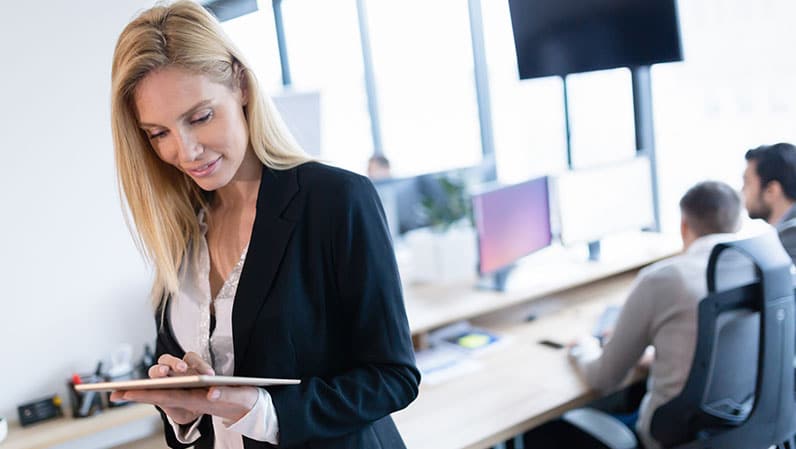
(163, 201)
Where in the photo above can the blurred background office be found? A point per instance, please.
(430, 87)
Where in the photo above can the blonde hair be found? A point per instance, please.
(163, 201)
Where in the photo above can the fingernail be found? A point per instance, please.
(164, 370)
(215, 394)
(182, 366)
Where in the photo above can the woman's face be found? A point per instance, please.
(194, 124)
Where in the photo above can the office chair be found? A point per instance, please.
(738, 411)
(732, 399)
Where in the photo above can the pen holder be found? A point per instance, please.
(121, 368)
(87, 403)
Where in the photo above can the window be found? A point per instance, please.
(734, 91)
(528, 115)
(601, 117)
(325, 54)
(423, 65)
(255, 35)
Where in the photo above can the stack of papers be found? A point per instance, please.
(442, 363)
(452, 350)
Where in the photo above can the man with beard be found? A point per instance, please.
(769, 189)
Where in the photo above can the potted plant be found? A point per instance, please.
(446, 250)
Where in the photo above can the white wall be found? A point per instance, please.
(72, 285)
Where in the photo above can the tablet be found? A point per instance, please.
(200, 381)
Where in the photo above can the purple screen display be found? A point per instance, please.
(511, 222)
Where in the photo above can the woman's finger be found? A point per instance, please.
(196, 363)
(157, 371)
(193, 399)
(176, 364)
(179, 415)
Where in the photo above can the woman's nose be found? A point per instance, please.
(188, 149)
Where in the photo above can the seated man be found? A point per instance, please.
(661, 311)
(769, 188)
(378, 167)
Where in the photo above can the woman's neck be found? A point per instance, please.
(242, 190)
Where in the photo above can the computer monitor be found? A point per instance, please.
(400, 198)
(403, 197)
(511, 222)
(599, 201)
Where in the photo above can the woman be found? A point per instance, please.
(266, 264)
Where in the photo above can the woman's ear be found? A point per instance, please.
(243, 83)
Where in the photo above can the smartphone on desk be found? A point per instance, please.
(551, 344)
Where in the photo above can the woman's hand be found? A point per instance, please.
(185, 406)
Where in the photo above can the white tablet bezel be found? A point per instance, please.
(180, 382)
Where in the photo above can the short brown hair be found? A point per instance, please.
(776, 163)
(711, 207)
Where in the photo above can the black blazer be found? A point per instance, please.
(319, 299)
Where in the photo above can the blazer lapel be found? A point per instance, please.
(270, 234)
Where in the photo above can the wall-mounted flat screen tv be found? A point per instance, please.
(559, 37)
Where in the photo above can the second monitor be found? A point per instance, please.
(600, 201)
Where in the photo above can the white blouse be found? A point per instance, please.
(189, 315)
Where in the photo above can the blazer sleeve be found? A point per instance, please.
(383, 377)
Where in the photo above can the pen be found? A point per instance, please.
(85, 406)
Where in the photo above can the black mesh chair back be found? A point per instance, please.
(739, 390)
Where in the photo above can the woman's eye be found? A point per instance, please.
(203, 118)
(157, 135)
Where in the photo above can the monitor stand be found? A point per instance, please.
(495, 281)
(594, 250)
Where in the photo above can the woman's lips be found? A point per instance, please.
(204, 170)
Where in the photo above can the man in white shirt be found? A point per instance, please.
(660, 311)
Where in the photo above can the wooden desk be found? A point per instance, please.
(156, 441)
(523, 384)
(65, 430)
(520, 386)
